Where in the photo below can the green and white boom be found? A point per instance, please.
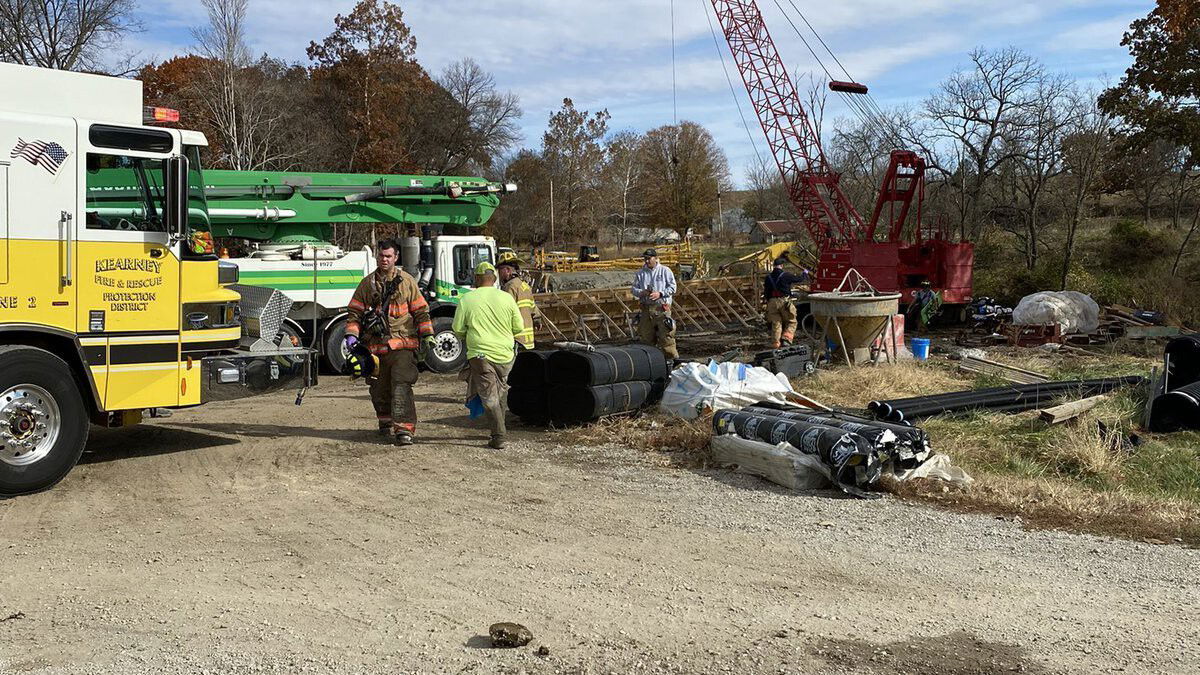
(289, 218)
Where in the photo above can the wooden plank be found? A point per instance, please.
(603, 313)
(721, 299)
(575, 318)
(1005, 367)
(1067, 411)
(752, 309)
(704, 308)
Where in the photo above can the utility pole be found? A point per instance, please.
(720, 213)
(551, 214)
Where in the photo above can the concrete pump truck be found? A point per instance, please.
(107, 308)
(288, 219)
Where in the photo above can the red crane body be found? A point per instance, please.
(844, 240)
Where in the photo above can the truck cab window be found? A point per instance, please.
(465, 259)
(125, 193)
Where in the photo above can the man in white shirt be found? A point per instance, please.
(654, 287)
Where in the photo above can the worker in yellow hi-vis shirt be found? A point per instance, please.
(487, 319)
(509, 269)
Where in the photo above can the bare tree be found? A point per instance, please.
(1037, 153)
(484, 125)
(768, 195)
(1085, 146)
(976, 111)
(245, 110)
(621, 183)
(64, 34)
(573, 154)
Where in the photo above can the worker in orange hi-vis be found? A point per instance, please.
(781, 313)
(389, 314)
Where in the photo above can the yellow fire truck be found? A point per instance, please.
(107, 308)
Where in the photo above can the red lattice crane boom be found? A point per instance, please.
(844, 240)
(812, 187)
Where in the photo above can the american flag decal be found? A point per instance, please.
(49, 156)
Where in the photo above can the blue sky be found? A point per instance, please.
(616, 54)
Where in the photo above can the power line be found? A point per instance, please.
(856, 107)
(674, 94)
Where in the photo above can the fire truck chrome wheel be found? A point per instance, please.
(30, 422)
(447, 347)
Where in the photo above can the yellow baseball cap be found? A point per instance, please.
(485, 267)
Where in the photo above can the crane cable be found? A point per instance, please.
(856, 107)
(674, 97)
(869, 112)
(705, 4)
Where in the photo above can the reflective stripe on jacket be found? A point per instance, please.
(407, 313)
(523, 294)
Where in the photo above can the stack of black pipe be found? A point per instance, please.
(856, 451)
(1178, 407)
(527, 390)
(907, 445)
(1014, 398)
(564, 387)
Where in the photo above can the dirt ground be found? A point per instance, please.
(256, 536)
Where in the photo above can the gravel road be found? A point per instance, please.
(257, 537)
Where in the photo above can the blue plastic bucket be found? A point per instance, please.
(920, 348)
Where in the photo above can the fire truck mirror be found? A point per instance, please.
(177, 196)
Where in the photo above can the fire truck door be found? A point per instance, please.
(127, 269)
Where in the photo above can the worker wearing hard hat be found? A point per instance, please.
(654, 287)
(925, 304)
(388, 313)
(781, 313)
(509, 269)
(487, 320)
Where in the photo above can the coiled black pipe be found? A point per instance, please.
(911, 441)
(1177, 409)
(572, 404)
(529, 368)
(608, 365)
(851, 460)
(1183, 354)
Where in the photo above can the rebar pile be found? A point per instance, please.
(1015, 398)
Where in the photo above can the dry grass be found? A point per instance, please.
(1057, 505)
(680, 443)
(854, 387)
(1071, 476)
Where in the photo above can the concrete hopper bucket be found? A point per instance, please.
(853, 319)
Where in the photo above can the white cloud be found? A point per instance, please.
(1094, 35)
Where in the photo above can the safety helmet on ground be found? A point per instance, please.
(361, 362)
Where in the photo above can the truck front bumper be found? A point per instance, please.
(241, 373)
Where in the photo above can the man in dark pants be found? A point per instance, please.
(388, 313)
(781, 313)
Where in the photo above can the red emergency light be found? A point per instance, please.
(151, 114)
(848, 87)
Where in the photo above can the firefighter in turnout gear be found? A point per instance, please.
(781, 313)
(389, 314)
(509, 269)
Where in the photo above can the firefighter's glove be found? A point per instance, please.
(427, 345)
(350, 341)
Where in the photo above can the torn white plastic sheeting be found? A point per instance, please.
(784, 465)
(1076, 312)
(696, 387)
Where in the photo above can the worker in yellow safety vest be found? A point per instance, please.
(509, 269)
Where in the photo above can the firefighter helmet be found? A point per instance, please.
(361, 362)
(509, 258)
